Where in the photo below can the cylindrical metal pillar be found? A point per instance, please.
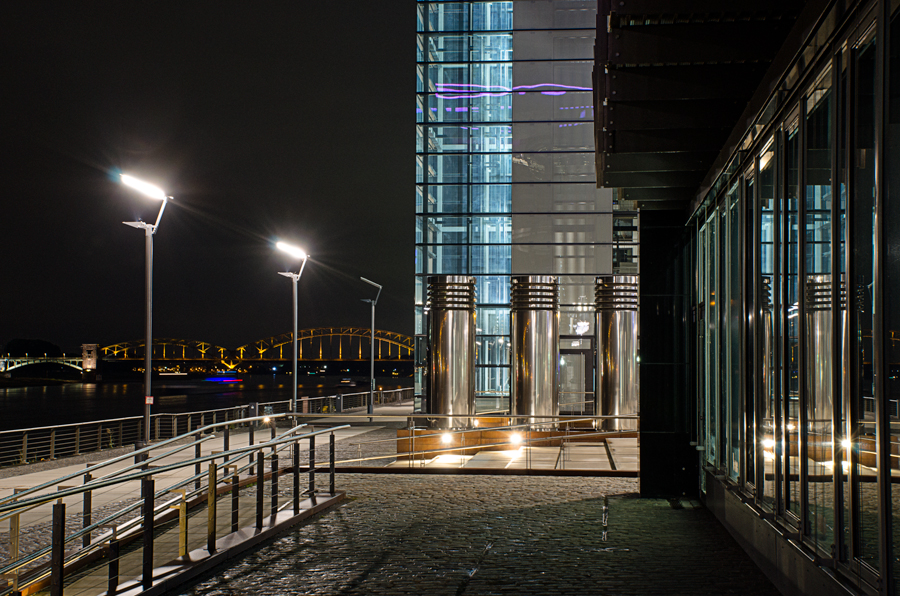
(618, 384)
(534, 347)
(451, 345)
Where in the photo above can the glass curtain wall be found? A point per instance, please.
(812, 332)
(505, 164)
(815, 321)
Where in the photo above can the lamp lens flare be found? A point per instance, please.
(515, 439)
(154, 192)
(446, 438)
(292, 250)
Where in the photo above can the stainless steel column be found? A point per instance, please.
(451, 349)
(768, 349)
(819, 346)
(618, 385)
(534, 345)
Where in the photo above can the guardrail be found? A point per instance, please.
(46, 544)
(30, 445)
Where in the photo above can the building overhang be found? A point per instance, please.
(673, 82)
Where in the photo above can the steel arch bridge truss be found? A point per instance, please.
(167, 349)
(330, 343)
(320, 344)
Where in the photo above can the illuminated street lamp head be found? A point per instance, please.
(145, 188)
(292, 250)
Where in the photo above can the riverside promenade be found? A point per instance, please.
(458, 534)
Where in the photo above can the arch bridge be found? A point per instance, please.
(11, 363)
(313, 345)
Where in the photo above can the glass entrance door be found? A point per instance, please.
(576, 376)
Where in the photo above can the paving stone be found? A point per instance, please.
(497, 535)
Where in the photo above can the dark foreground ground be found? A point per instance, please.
(468, 535)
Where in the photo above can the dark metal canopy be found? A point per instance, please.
(671, 80)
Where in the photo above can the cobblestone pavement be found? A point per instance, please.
(497, 535)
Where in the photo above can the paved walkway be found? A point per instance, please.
(487, 535)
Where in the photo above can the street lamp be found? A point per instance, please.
(297, 253)
(157, 193)
(371, 408)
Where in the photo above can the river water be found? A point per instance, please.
(50, 405)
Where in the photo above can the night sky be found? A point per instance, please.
(265, 120)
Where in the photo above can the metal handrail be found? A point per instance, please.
(132, 454)
(277, 444)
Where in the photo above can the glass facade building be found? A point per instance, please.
(505, 165)
(796, 285)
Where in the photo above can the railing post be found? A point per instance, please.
(252, 425)
(312, 469)
(197, 467)
(182, 520)
(211, 509)
(100, 437)
(57, 545)
(227, 441)
(86, 510)
(331, 460)
(25, 447)
(53, 444)
(295, 452)
(235, 496)
(274, 457)
(147, 491)
(14, 540)
(78, 440)
(119, 442)
(340, 403)
(260, 479)
(113, 578)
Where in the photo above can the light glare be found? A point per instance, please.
(290, 249)
(446, 438)
(146, 189)
(515, 438)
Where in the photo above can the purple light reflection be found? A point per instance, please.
(499, 90)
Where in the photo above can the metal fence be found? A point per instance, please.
(111, 540)
(31, 445)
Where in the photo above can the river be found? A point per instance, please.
(49, 405)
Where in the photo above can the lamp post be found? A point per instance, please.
(297, 253)
(371, 408)
(149, 230)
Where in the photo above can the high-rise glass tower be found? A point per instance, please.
(505, 161)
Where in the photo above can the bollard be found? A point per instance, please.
(211, 509)
(86, 511)
(147, 491)
(57, 545)
(312, 469)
